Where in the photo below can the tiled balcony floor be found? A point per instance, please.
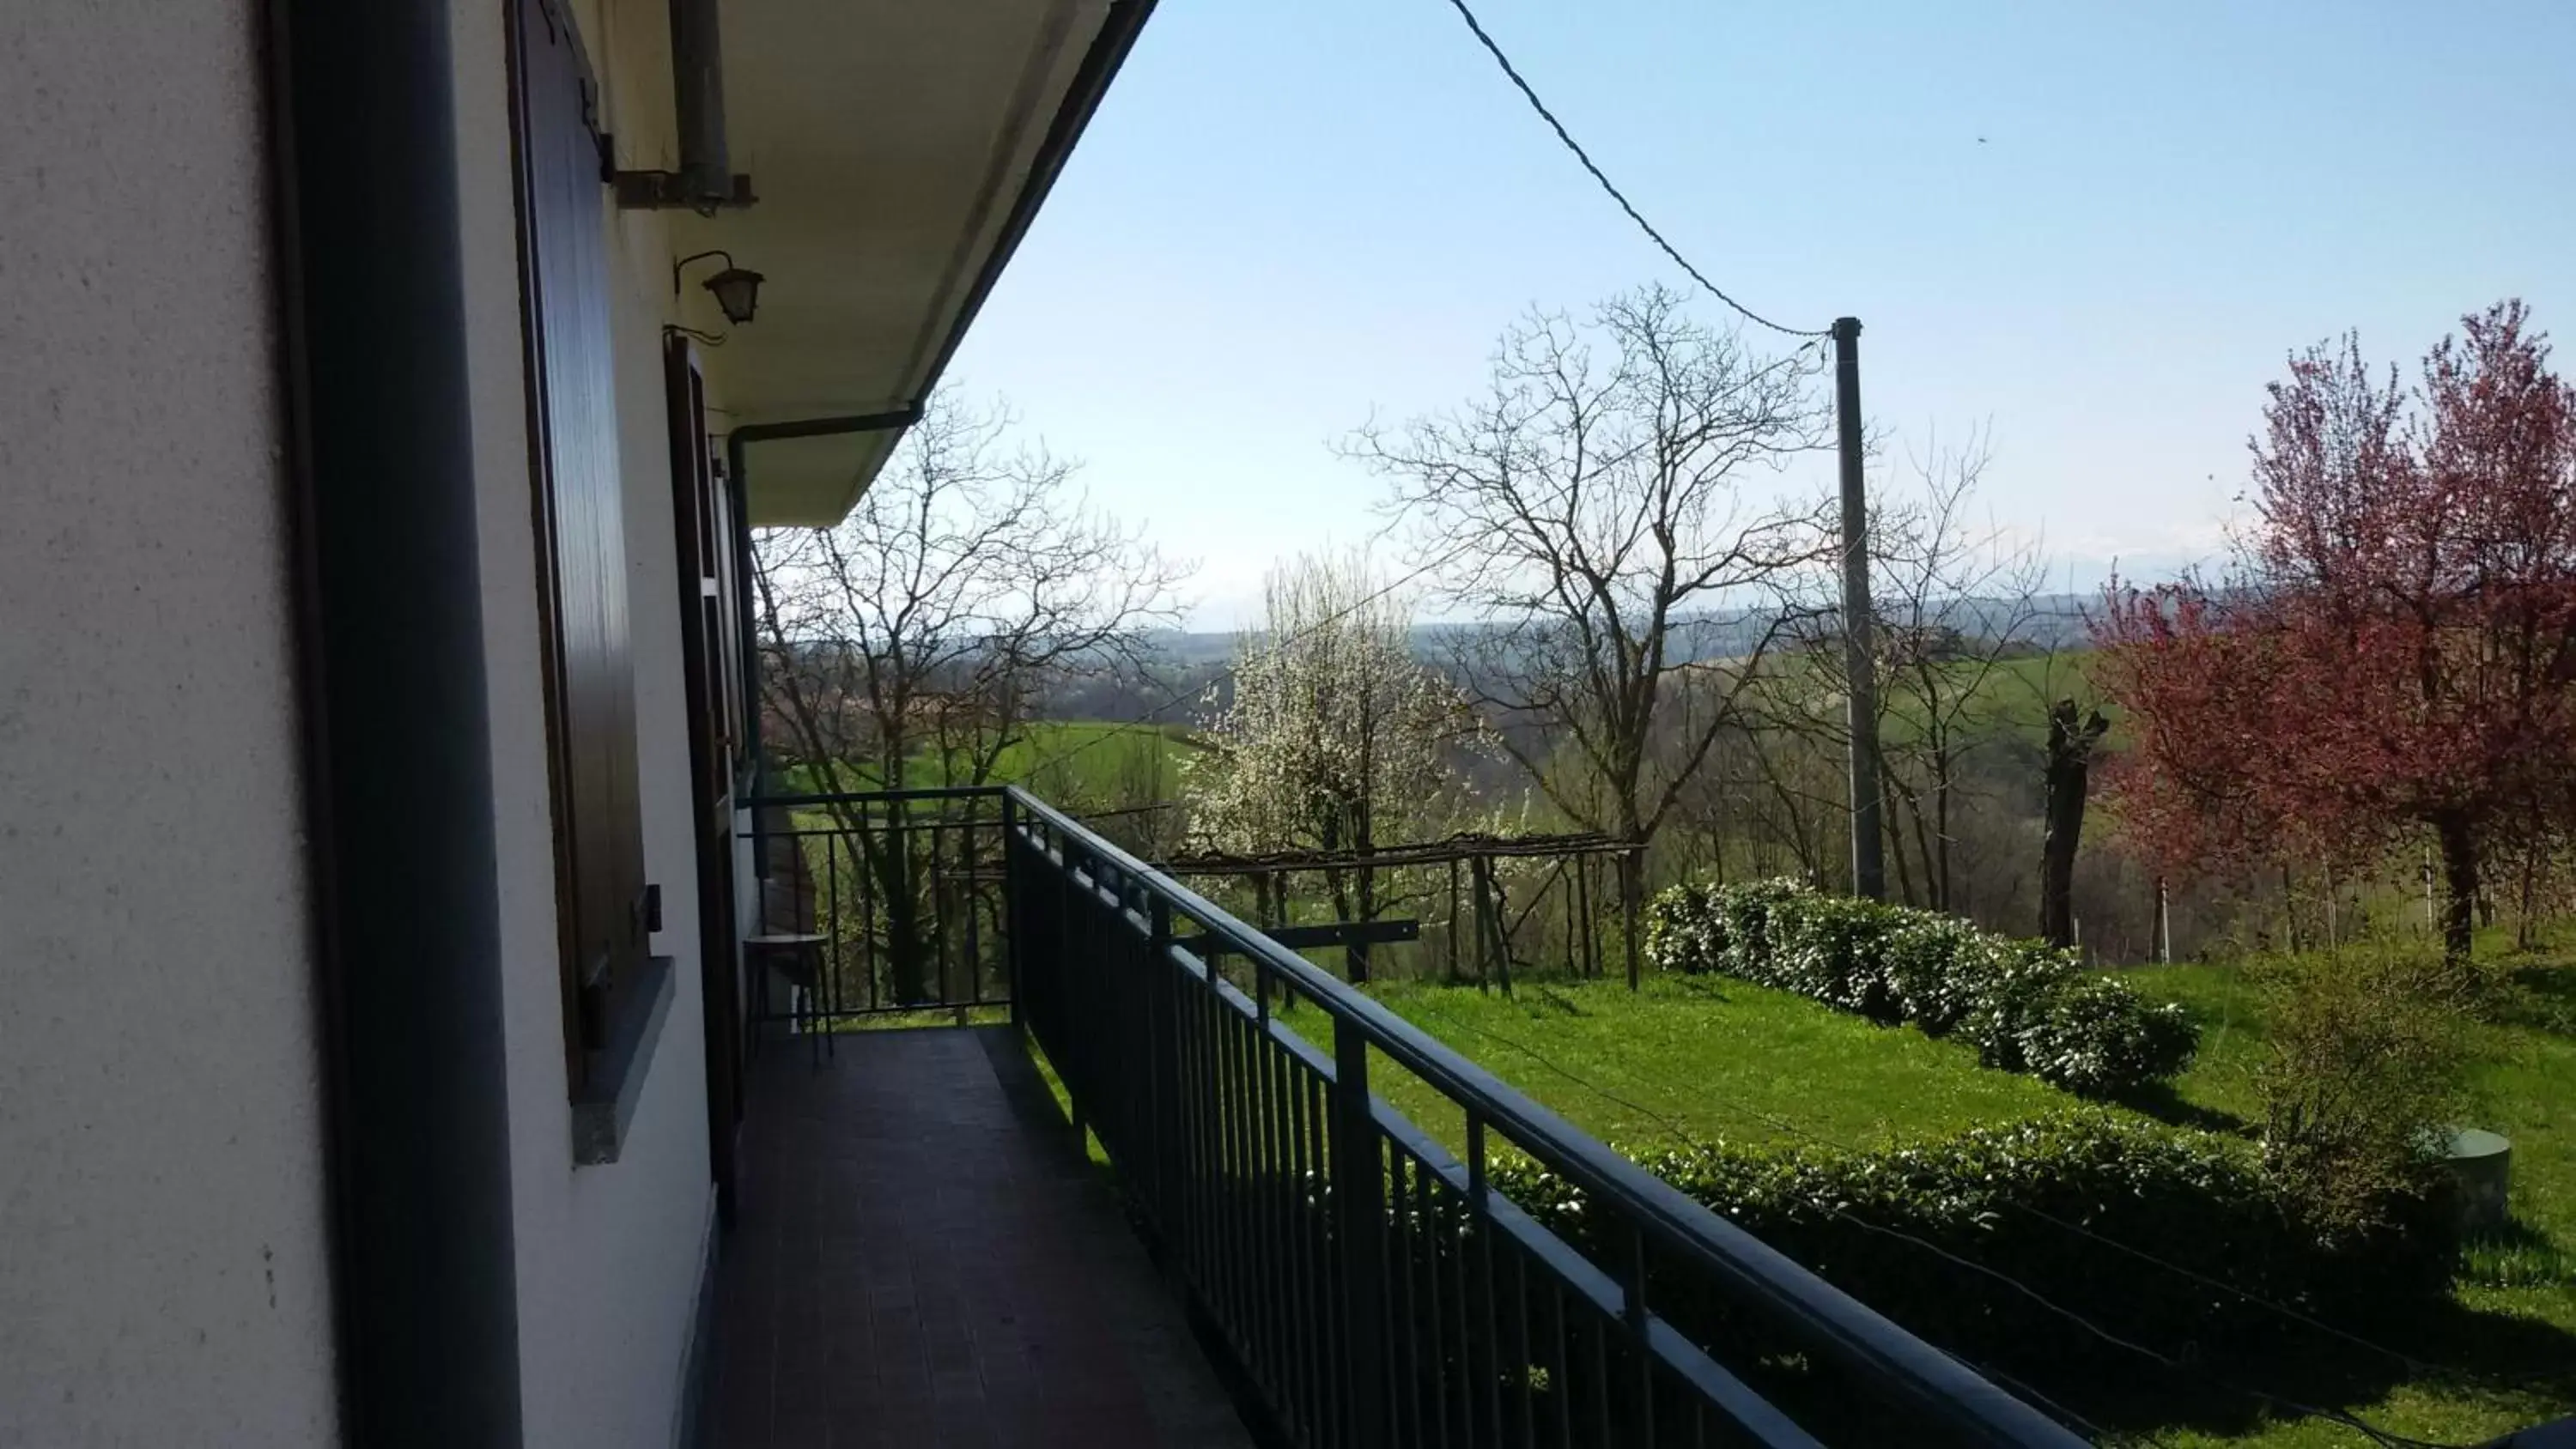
(923, 1260)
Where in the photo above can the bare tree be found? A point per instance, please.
(1787, 784)
(1589, 514)
(912, 642)
(1957, 603)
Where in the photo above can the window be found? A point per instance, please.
(711, 642)
(601, 898)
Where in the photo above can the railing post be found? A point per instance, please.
(1359, 1196)
(1074, 1069)
(1480, 1205)
(1012, 872)
(1162, 1065)
(1632, 1311)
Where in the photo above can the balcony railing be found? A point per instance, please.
(1372, 1284)
(875, 903)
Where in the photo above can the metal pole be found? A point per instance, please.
(1869, 871)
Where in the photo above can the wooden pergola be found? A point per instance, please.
(1472, 880)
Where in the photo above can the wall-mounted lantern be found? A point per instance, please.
(736, 289)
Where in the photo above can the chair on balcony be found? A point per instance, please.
(795, 957)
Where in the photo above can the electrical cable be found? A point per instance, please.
(1657, 237)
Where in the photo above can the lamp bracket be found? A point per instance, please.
(663, 191)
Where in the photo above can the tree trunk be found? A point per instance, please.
(2459, 883)
(899, 880)
(1632, 905)
(907, 952)
(1892, 834)
(1363, 842)
(1493, 941)
(1587, 946)
(1337, 883)
(2069, 767)
(2528, 898)
(1452, 948)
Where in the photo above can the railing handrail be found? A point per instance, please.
(1841, 1325)
(794, 799)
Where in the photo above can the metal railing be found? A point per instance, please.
(875, 903)
(1375, 1287)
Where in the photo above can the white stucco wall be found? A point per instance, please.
(163, 1268)
(609, 1258)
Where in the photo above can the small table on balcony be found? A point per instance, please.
(798, 956)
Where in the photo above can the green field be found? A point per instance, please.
(2009, 695)
(1708, 1059)
(1076, 761)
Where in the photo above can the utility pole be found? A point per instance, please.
(1869, 870)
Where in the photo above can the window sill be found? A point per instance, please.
(605, 1107)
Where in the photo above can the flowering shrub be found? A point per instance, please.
(2024, 1007)
(2094, 1036)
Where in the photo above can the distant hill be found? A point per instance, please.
(2059, 625)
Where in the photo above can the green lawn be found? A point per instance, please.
(2524, 1088)
(1708, 1059)
(1091, 761)
(1081, 761)
(1704, 1058)
(2008, 695)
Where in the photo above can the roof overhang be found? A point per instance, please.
(899, 151)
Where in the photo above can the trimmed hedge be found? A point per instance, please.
(2026, 1008)
(2020, 1200)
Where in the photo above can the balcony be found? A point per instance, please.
(923, 1253)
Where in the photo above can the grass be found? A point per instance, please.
(1707, 1059)
(1701, 1058)
(928, 1016)
(1072, 760)
(2008, 696)
(1095, 760)
(2524, 1087)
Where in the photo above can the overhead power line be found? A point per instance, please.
(1669, 250)
(1616, 194)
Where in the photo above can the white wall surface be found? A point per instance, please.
(608, 1257)
(163, 1269)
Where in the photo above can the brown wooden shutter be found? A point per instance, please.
(581, 523)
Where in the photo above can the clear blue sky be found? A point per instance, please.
(1289, 215)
